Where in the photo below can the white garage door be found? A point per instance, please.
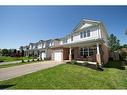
(57, 56)
(43, 55)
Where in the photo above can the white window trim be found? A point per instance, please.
(84, 34)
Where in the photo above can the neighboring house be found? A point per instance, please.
(44, 50)
(25, 49)
(88, 41)
(41, 49)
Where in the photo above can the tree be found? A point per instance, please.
(125, 46)
(114, 43)
(0, 52)
(9, 52)
(22, 53)
(4, 52)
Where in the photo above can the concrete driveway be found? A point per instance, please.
(15, 71)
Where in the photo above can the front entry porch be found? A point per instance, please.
(89, 53)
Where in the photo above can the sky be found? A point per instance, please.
(21, 25)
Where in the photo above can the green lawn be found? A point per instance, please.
(67, 76)
(9, 59)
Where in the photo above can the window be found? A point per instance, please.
(65, 41)
(81, 35)
(81, 51)
(87, 51)
(88, 33)
(91, 52)
(84, 34)
(71, 38)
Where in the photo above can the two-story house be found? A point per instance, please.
(88, 41)
(25, 49)
(45, 51)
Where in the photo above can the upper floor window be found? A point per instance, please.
(30, 46)
(33, 47)
(88, 33)
(71, 38)
(84, 34)
(40, 46)
(65, 41)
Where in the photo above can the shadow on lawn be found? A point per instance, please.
(111, 64)
(91, 66)
(5, 86)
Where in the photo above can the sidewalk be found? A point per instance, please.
(13, 62)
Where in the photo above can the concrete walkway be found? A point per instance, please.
(14, 62)
(15, 71)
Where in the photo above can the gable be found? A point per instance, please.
(84, 23)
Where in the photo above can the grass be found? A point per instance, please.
(9, 59)
(68, 76)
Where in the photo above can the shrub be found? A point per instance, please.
(41, 59)
(73, 62)
(123, 55)
(22, 61)
(115, 64)
(33, 60)
(28, 60)
(47, 58)
(1, 61)
(85, 63)
(38, 59)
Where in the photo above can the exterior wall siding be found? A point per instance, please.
(105, 53)
(65, 53)
(76, 36)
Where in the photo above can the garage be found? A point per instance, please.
(58, 56)
(43, 55)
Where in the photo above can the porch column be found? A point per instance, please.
(88, 51)
(70, 56)
(98, 57)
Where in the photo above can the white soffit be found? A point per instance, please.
(86, 25)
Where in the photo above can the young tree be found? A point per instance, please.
(0, 52)
(22, 53)
(114, 43)
(9, 52)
